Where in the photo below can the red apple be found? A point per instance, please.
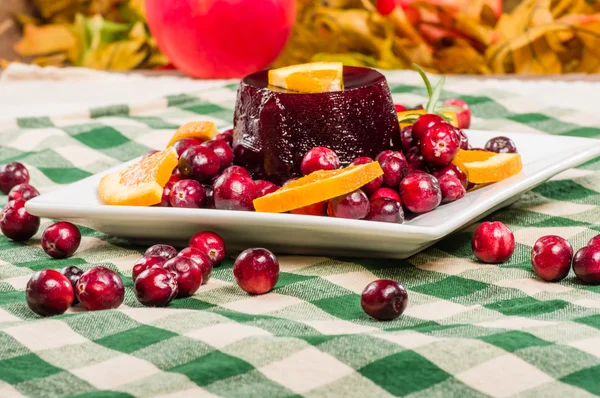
(221, 38)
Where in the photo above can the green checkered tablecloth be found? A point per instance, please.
(470, 330)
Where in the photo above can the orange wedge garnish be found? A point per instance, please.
(204, 131)
(315, 77)
(488, 168)
(140, 184)
(413, 114)
(317, 187)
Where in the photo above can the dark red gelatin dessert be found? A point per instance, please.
(274, 129)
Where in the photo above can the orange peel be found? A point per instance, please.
(317, 187)
(203, 130)
(488, 167)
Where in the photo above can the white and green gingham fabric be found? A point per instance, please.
(470, 329)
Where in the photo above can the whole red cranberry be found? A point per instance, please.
(200, 163)
(451, 188)
(165, 251)
(384, 299)
(188, 194)
(420, 192)
(319, 158)
(256, 271)
(100, 288)
(407, 138)
(386, 210)
(225, 136)
(385, 193)
(155, 287)
(414, 158)
(424, 123)
(501, 145)
(586, 264)
(464, 116)
(354, 205)
(400, 108)
(201, 260)
(145, 262)
(61, 240)
(372, 186)
(463, 139)
(264, 187)
(183, 144)
(73, 274)
(394, 170)
(316, 209)
(236, 170)
(12, 174)
(222, 150)
(165, 200)
(493, 242)
(594, 241)
(22, 192)
(383, 155)
(210, 198)
(176, 176)
(16, 223)
(49, 293)
(440, 144)
(452, 170)
(187, 273)
(551, 258)
(234, 192)
(211, 244)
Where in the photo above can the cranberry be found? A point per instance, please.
(12, 174)
(234, 192)
(225, 136)
(493, 242)
(551, 258)
(165, 251)
(463, 139)
(210, 244)
(49, 293)
(400, 108)
(61, 240)
(383, 155)
(594, 241)
(176, 176)
(73, 274)
(188, 194)
(372, 186)
(236, 170)
(16, 223)
(354, 205)
(452, 170)
(451, 188)
(414, 158)
(386, 210)
(183, 144)
(501, 145)
(407, 138)
(223, 152)
(384, 299)
(150, 153)
(146, 262)
(586, 264)
(464, 116)
(210, 199)
(420, 192)
(264, 187)
(165, 200)
(200, 163)
(316, 209)
(394, 170)
(256, 271)
(385, 193)
(187, 273)
(319, 158)
(201, 260)
(424, 123)
(440, 144)
(22, 192)
(100, 288)
(155, 287)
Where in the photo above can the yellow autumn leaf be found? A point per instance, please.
(44, 40)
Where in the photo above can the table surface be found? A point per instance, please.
(470, 329)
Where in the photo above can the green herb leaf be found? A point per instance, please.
(437, 91)
(425, 79)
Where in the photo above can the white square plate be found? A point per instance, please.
(543, 157)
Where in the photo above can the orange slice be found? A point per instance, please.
(473, 155)
(496, 168)
(140, 184)
(204, 131)
(315, 77)
(409, 116)
(317, 187)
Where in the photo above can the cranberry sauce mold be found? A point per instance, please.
(273, 129)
